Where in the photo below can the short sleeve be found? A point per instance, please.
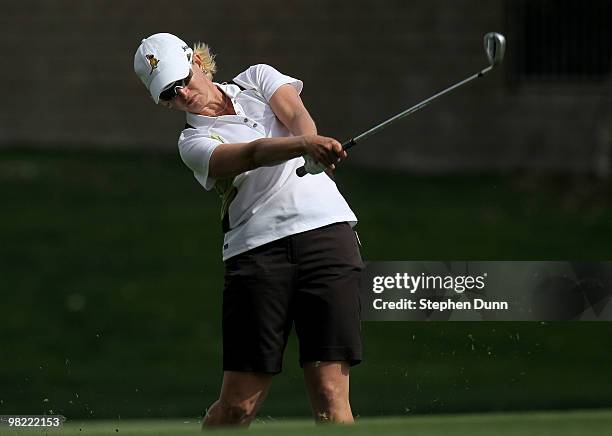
(195, 150)
(266, 80)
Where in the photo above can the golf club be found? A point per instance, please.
(495, 48)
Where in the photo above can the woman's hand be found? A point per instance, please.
(324, 151)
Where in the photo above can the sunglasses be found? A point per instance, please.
(171, 91)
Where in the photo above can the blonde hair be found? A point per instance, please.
(209, 66)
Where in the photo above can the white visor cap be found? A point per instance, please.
(161, 60)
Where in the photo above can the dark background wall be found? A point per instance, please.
(72, 83)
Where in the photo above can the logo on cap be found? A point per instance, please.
(185, 49)
(153, 62)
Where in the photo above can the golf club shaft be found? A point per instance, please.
(352, 142)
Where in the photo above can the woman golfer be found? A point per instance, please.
(290, 254)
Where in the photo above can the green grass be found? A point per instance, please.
(569, 423)
(111, 281)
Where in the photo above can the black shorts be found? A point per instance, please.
(311, 279)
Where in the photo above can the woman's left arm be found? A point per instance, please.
(289, 109)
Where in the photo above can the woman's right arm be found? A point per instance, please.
(230, 160)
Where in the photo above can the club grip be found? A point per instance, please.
(301, 171)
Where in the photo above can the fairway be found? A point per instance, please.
(566, 423)
(103, 259)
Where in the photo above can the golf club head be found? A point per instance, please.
(495, 47)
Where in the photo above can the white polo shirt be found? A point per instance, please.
(267, 203)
